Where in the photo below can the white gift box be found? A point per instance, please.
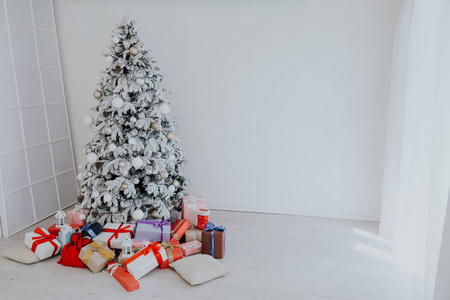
(42, 243)
(145, 260)
(114, 234)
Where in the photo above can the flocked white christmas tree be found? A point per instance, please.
(133, 159)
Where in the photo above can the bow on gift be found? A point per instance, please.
(89, 230)
(211, 227)
(80, 241)
(43, 238)
(115, 232)
(153, 247)
(169, 247)
(112, 267)
(97, 248)
(160, 225)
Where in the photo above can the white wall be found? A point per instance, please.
(281, 104)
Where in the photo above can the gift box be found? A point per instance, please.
(96, 256)
(64, 234)
(153, 231)
(139, 245)
(73, 216)
(179, 228)
(173, 251)
(91, 230)
(42, 243)
(55, 230)
(71, 251)
(114, 234)
(213, 240)
(193, 234)
(191, 247)
(127, 280)
(176, 213)
(190, 206)
(145, 260)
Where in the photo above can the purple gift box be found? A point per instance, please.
(152, 231)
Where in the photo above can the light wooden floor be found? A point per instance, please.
(271, 257)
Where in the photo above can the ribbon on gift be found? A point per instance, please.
(97, 248)
(63, 233)
(172, 233)
(169, 247)
(79, 240)
(115, 232)
(112, 267)
(153, 247)
(160, 225)
(89, 230)
(211, 227)
(43, 238)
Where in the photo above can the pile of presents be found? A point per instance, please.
(139, 247)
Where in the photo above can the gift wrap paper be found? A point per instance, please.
(179, 228)
(190, 206)
(145, 260)
(191, 247)
(73, 216)
(96, 256)
(153, 231)
(128, 282)
(114, 234)
(91, 230)
(173, 251)
(42, 243)
(193, 234)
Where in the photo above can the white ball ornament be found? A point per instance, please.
(176, 183)
(107, 130)
(80, 176)
(115, 39)
(82, 217)
(163, 174)
(155, 214)
(137, 214)
(133, 50)
(112, 147)
(164, 108)
(137, 162)
(89, 174)
(140, 81)
(155, 126)
(91, 158)
(88, 150)
(97, 94)
(133, 120)
(170, 136)
(171, 188)
(109, 58)
(107, 198)
(95, 194)
(117, 102)
(122, 164)
(148, 172)
(88, 120)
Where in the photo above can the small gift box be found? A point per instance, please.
(190, 206)
(55, 229)
(77, 216)
(193, 234)
(179, 228)
(145, 260)
(42, 243)
(123, 277)
(213, 240)
(91, 230)
(114, 234)
(153, 231)
(64, 234)
(139, 245)
(191, 247)
(96, 256)
(70, 252)
(173, 251)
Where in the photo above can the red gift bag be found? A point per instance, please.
(71, 251)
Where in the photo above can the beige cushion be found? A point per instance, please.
(199, 268)
(21, 253)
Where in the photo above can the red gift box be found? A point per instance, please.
(55, 230)
(179, 228)
(123, 277)
(174, 252)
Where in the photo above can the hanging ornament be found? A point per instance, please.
(80, 176)
(176, 183)
(107, 130)
(124, 186)
(163, 108)
(82, 190)
(109, 58)
(117, 102)
(137, 214)
(133, 50)
(89, 174)
(88, 120)
(82, 217)
(91, 158)
(155, 126)
(115, 39)
(170, 136)
(155, 214)
(171, 188)
(88, 150)
(112, 147)
(97, 94)
(95, 194)
(107, 198)
(163, 174)
(140, 81)
(133, 120)
(137, 162)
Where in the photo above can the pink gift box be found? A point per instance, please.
(73, 216)
(191, 247)
(190, 206)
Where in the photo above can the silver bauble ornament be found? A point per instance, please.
(137, 162)
(107, 130)
(171, 188)
(137, 214)
(112, 147)
(88, 120)
(163, 108)
(117, 102)
(91, 158)
(115, 39)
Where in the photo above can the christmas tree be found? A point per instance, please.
(133, 159)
